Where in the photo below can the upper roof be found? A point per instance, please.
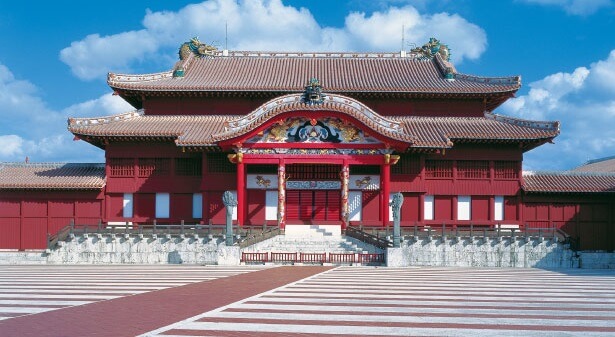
(417, 131)
(410, 73)
(54, 176)
(606, 164)
(568, 181)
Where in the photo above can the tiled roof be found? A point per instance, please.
(419, 132)
(568, 181)
(56, 176)
(441, 131)
(337, 73)
(598, 165)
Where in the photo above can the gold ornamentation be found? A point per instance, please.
(361, 183)
(260, 181)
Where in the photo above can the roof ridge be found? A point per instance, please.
(568, 173)
(117, 77)
(542, 125)
(87, 121)
(597, 160)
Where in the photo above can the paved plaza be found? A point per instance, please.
(304, 301)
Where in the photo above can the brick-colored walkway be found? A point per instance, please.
(137, 314)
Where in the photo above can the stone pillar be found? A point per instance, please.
(385, 188)
(398, 200)
(229, 201)
(345, 176)
(281, 194)
(241, 191)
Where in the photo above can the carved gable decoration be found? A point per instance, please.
(313, 93)
(305, 130)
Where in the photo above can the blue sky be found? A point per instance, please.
(55, 56)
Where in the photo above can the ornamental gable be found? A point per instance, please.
(313, 130)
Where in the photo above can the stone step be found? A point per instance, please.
(305, 231)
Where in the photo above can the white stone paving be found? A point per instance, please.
(31, 289)
(356, 301)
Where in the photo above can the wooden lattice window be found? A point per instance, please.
(154, 167)
(188, 166)
(219, 163)
(506, 170)
(407, 164)
(122, 167)
(473, 169)
(436, 169)
(313, 172)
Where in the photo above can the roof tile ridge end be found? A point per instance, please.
(445, 67)
(117, 78)
(89, 121)
(510, 80)
(542, 125)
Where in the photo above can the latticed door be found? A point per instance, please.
(313, 205)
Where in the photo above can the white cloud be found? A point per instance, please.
(107, 104)
(267, 25)
(10, 146)
(584, 102)
(30, 128)
(602, 75)
(575, 7)
(85, 57)
(545, 95)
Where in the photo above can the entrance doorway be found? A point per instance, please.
(309, 205)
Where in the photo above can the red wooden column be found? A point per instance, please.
(241, 190)
(385, 188)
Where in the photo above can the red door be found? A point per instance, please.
(312, 205)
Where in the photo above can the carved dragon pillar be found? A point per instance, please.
(345, 177)
(281, 194)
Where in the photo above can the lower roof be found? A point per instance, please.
(206, 130)
(52, 176)
(568, 182)
(606, 164)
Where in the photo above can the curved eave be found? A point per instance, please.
(135, 97)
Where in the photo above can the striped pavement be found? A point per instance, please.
(363, 301)
(31, 289)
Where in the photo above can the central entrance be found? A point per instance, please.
(313, 205)
(314, 201)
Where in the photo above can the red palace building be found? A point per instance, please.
(308, 138)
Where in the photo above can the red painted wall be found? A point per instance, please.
(588, 218)
(26, 217)
(256, 207)
(243, 105)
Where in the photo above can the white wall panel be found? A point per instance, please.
(271, 205)
(128, 205)
(197, 205)
(162, 205)
(464, 207)
(428, 207)
(499, 208)
(355, 205)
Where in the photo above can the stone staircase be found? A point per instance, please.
(317, 239)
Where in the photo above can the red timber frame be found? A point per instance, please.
(243, 157)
